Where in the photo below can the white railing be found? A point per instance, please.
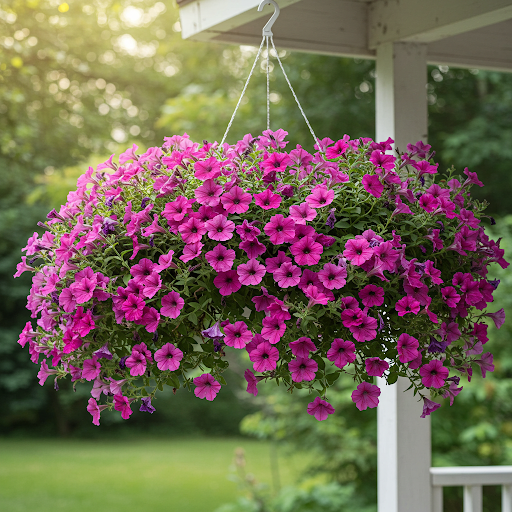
(472, 478)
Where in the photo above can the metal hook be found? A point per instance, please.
(267, 29)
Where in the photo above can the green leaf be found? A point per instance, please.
(342, 224)
(332, 378)
(392, 378)
(222, 380)
(173, 381)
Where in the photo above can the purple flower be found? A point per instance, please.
(213, 332)
(122, 363)
(429, 407)
(103, 352)
(331, 219)
(146, 405)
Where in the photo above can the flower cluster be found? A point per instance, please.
(348, 259)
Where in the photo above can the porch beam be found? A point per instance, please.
(425, 21)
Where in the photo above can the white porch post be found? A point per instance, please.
(404, 450)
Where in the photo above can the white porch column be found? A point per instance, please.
(404, 450)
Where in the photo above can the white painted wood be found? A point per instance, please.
(471, 475)
(472, 498)
(506, 498)
(207, 18)
(437, 499)
(403, 450)
(430, 20)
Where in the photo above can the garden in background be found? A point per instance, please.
(81, 80)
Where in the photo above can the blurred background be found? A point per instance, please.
(84, 79)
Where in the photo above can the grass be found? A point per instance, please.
(171, 475)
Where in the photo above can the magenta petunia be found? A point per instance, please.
(251, 273)
(267, 200)
(273, 329)
(252, 382)
(407, 305)
(320, 196)
(236, 200)
(133, 307)
(375, 367)
(450, 296)
(429, 406)
(280, 229)
(152, 286)
(91, 368)
(142, 270)
(433, 374)
(274, 264)
(208, 193)
(220, 228)
(227, 282)
(341, 352)
(172, 304)
(262, 302)
(302, 347)
(207, 169)
(276, 162)
(206, 387)
(366, 330)
(320, 409)
(287, 275)
(302, 213)
(303, 369)
(252, 247)
(372, 295)
(306, 251)
(122, 404)
(168, 357)
(150, 319)
(333, 277)
(237, 335)
(366, 396)
(136, 363)
(357, 251)
(372, 185)
(220, 258)
(94, 409)
(337, 149)
(192, 230)
(191, 251)
(386, 162)
(247, 231)
(407, 347)
(264, 357)
(164, 262)
(178, 209)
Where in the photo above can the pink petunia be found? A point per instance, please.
(67, 300)
(227, 282)
(83, 290)
(366, 330)
(333, 277)
(168, 357)
(429, 406)
(357, 251)
(274, 264)
(280, 229)
(407, 347)
(450, 296)
(91, 368)
(206, 387)
(191, 251)
(252, 247)
(303, 369)
(337, 149)
(267, 200)
(433, 374)
(366, 396)
(164, 261)
(302, 347)
(302, 213)
(264, 357)
(142, 270)
(306, 251)
(386, 162)
(152, 286)
(237, 335)
(301, 231)
(252, 382)
(178, 209)
(220, 258)
(372, 295)
(192, 230)
(276, 162)
(208, 194)
(273, 329)
(287, 275)
(133, 307)
(315, 296)
(136, 363)
(122, 404)
(320, 196)
(172, 304)
(262, 302)
(220, 228)
(372, 185)
(207, 169)
(236, 200)
(251, 273)
(150, 319)
(341, 352)
(95, 410)
(44, 372)
(375, 367)
(320, 409)
(247, 231)
(407, 305)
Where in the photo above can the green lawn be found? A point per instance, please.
(178, 475)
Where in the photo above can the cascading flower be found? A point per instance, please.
(373, 265)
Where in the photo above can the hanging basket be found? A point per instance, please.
(348, 259)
